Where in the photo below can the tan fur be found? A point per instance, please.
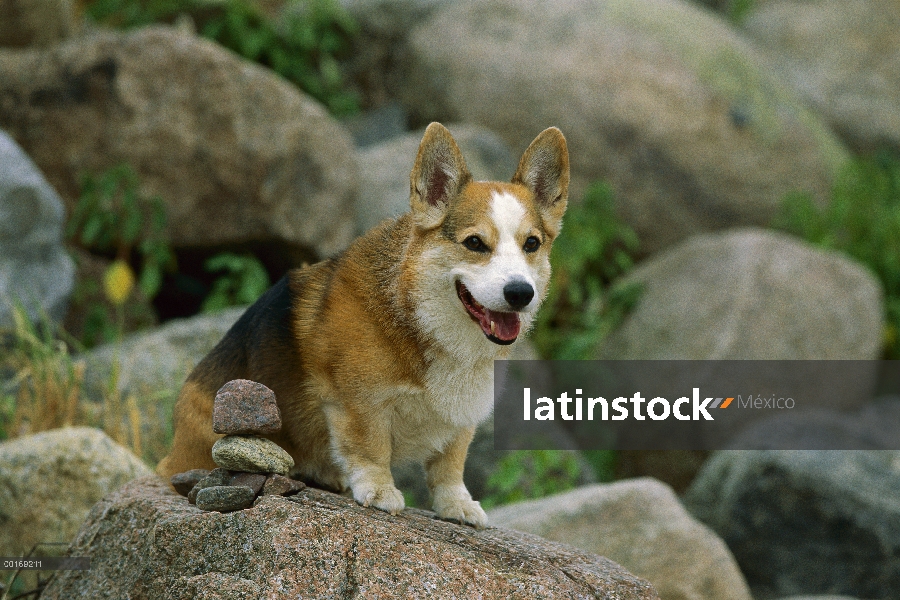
(371, 355)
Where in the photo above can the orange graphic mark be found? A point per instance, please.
(726, 403)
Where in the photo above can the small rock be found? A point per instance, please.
(254, 481)
(245, 407)
(225, 498)
(278, 485)
(215, 478)
(185, 482)
(252, 454)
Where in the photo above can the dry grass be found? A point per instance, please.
(46, 392)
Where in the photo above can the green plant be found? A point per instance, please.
(603, 463)
(112, 217)
(7, 410)
(133, 13)
(244, 281)
(582, 306)
(739, 10)
(527, 474)
(861, 219)
(304, 46)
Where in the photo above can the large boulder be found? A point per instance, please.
(765, 297)
(385, 168)
(874, 426)
(35, 270)
(641, 525)
(750, 294)
(389, 19)
(36, 22)
(49, 481)
(805, 522)
(145, 541)
(237, 154)
(843, 57)
(828, 597)
(380, 43)
(158, 360)
(660, 98)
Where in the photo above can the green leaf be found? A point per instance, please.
(92, 231)
(150, 280)
(860, 219)
(132, 225)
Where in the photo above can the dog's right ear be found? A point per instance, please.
(437, 177)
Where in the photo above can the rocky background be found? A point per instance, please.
(734, 164)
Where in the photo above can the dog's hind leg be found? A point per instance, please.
(194, 437)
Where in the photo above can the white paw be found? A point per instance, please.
(455, 503)
(384, 497)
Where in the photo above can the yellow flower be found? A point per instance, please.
(118, 281)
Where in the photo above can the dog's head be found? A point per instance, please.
(482, 249)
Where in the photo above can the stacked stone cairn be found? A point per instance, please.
(249, 466)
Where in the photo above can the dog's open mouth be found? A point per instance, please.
(499, 327)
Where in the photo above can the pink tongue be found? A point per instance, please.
(506, 324)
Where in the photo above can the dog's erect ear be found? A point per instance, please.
(437, 177)
(544, 169)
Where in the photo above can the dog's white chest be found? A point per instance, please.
(455, 396)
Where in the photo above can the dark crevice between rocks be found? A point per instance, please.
(93, 84)
(350, 589)
(182, 292)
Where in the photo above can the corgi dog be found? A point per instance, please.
(384, 353)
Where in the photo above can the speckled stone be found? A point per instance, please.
(278, 485)
(185, 482)
(216, 477)
(225, 498)
(320, 545)
(254, 481)
(251, 454)
(245, 407)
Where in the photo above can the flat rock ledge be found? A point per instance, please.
(146, 541)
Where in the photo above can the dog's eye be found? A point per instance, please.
(531, 244)
(474, 243)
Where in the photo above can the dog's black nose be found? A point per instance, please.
(518, 294)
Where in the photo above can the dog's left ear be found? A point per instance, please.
(544, 169)
(437, 177)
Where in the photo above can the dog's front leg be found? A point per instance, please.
(361, 445)
(445, 480)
